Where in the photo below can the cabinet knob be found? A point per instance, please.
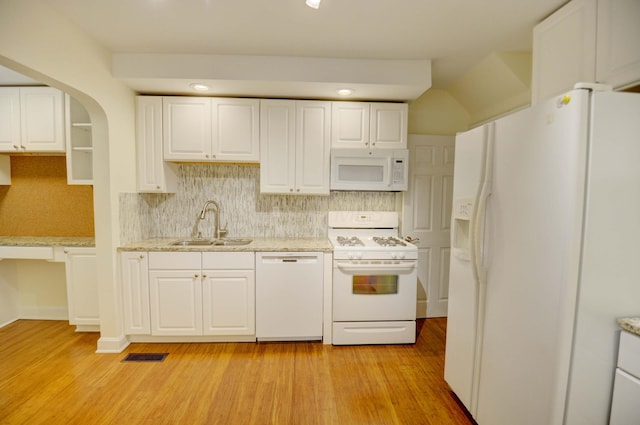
(66, 251)
(158, 187)
(297, 190)
(141, 257)
(16, 147)
(291, 190)
(195, 276)
(204, 276)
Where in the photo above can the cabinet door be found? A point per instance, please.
(42, 119)
(312, 147)
(350, 125)
(618, 57)
(277, 146)
(564, 50)
(228, 302)
(235, 129)
(82, 286)
(154, 175)
(175, 302)
(388, 125)
(134, 277)
(187, 128)
(9, 119)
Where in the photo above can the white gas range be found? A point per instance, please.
(374, 279)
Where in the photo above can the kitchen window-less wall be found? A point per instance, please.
(244, 210)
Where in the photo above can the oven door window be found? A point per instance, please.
(375, 285)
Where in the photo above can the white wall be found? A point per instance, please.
(39, 43)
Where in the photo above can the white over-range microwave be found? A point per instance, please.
(375, 170)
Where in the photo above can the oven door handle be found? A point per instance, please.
(401, 267)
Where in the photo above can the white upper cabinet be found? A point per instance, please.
(153, 173)
(369, 125)
(9, 119)
(618, 51)
(294, 147)
(586, 41)
(31, 119)
(349, 125)
(210, 129)
(235, 129)
(187, 128)
(564, 50)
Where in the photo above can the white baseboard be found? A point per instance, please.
(112, 345)
(2, 325)
(43, 313)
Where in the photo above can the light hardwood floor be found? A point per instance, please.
(50, 375)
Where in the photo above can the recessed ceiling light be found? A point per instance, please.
(199, 86)
(345, 92)
(313, 3)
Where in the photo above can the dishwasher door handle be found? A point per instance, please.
(291, 260)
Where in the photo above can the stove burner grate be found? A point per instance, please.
(388, 241)
(349, 241)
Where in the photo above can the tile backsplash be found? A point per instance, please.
(245, 212)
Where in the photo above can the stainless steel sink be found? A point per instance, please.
(217, 242)
(232, 241)
(193, 242)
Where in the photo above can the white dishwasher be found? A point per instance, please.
(289, 296)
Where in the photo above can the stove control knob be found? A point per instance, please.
(400, 255)
(394, 255)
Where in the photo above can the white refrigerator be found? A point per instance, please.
(545, 257)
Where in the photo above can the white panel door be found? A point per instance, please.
(9, 119)
(277, 146)
(313, 153)
(154, 174)
(350, 125)
(186, 128)
(618, 58)
(427, 216)
(42, 115)
(82, 286)
(388, 125)
(176, 302)
(235, 129)
(134, 276)
(564, 50)
(228, 302)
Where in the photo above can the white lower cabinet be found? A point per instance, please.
(82, 288)
(189, 293)
(134, 277)
(625, 408)
(176, 301)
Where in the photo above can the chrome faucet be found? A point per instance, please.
(217, 231)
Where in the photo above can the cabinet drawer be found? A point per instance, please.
(625, 409)
(228, 260)
(174, 260)
(629, 354)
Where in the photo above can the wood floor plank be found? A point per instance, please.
(50, 374)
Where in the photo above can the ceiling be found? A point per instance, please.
(384, 49)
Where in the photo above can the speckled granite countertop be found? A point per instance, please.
(630, 324)
(257, 244)
(46, 241)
